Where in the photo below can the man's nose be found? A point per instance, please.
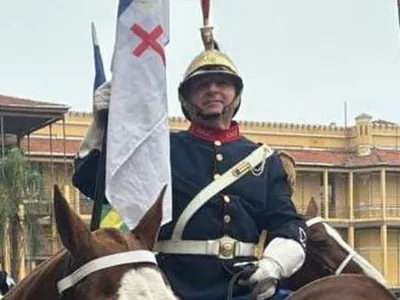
(212, 86)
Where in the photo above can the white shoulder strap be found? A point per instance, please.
(237, 171)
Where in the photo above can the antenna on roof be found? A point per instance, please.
(345, 114)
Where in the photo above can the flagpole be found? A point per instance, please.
(99, 190)
(398, 11)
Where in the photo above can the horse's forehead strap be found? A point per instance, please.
(314, 221)
(137, 256)
(351, 252)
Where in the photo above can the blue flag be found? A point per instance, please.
(100, 76)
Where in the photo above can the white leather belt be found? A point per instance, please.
(224, 248)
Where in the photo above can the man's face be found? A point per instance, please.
(211, 93)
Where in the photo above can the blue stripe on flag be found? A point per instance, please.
(100, 76)
(123, 5)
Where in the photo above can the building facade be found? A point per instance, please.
(353, 173)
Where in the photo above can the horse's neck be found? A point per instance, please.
(42, 282)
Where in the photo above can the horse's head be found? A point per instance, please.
(109, 264)
(328, 254)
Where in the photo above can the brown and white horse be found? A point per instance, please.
(108, 264)
(328, 254)
(101, 265)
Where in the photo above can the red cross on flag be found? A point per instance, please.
(138, 160)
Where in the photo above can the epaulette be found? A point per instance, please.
(289, 164)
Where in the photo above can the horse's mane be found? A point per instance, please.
(47, 269)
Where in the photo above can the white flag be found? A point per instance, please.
(138, 148)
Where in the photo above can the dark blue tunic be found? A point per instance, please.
(4, 288)
(255, 203)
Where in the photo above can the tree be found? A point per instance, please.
(19, 182)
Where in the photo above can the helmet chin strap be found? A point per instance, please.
(197, 113)
(208, 117)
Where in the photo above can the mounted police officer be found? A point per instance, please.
(220, 218)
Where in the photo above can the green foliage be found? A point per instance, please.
(19, 182)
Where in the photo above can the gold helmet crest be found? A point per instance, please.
(209, 61)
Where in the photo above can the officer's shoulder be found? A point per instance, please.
(289, 166)
(286, 157)
(288, 163)
(177, 135)
(179, 139)
(246, 140)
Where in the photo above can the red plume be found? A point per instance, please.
(205, 6)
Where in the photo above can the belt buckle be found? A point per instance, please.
(227, 247)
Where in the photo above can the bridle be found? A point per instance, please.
(145, 256)
(351, 252)
(123, 258)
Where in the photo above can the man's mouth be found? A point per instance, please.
(212, 102)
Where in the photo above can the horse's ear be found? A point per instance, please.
(149, 226)
(74, 233)
(312, 208)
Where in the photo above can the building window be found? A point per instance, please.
(331, 188)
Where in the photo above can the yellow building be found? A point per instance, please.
(353, 173)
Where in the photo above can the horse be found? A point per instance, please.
(327, 254)
(109, 264)
(99, 265)
(343, 287)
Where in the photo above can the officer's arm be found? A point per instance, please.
(286, 250)
(87, 159)
(285, 253)
(281, 218)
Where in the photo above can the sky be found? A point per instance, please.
(300, 60)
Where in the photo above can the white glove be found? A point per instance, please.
(102, 97)
(10, 282)
(282, 258)
(264, 278)
(94, 135)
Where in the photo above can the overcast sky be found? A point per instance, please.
(300, 59)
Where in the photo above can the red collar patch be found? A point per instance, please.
(212, 135)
